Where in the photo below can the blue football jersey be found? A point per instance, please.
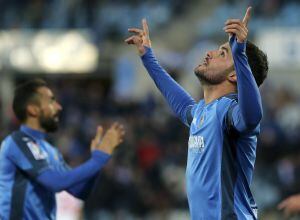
(220, 163)
(23, 156)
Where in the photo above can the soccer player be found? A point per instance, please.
(223, 126)
(32, 170)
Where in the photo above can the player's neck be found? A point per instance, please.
(213, 92)
(34, 124)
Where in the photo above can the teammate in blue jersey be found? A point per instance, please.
(223, 126)
(32, 170)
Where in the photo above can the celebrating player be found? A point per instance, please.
(223, 126)
(32, 170)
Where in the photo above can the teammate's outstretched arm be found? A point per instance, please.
(178, 99)
(102, 148)
(248, 113)
(82, 190)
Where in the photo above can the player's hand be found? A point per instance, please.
(238, 27)
(140, 38)
(291, 205)
(110, 140)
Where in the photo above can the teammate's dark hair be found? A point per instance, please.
(258, 62)
(25, 94)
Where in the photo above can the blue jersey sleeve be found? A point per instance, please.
(246, 114)
(178, 99)
(56, 181)
(81, 190)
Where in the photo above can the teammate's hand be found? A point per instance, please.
(140, 38)
(291, 205)
(238, 27)
(110, 140)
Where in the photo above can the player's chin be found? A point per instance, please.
(199, 70)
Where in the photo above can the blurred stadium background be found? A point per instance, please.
(77, 46)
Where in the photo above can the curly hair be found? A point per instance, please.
(258, 62)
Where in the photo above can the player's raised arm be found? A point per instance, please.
(248, 112)
(178, 99)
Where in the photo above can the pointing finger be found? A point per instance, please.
(247, 16)
(145, 27)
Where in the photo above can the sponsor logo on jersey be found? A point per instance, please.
(200, 122)
(36, 151)
(196, 143)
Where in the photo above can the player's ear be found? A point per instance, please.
(232, 77)
(32, 110)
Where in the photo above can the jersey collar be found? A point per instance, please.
(32, 132)
(230, 96)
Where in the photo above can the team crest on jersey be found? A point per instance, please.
(196, 143)
(36, 151)
(200, 121)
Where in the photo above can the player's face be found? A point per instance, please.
(216, 65)
(49, 110)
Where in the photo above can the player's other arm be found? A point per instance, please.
(178, 99)
(102, 147)
(83, 190)
(57, 181)
(248, 113)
